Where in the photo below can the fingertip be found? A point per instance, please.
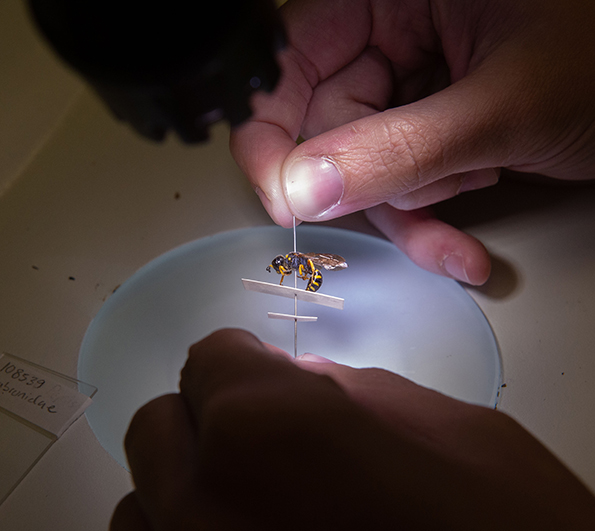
(259, 149)
(313, 358)
(276, 208)
(277, 351)
(312, 186)
(474, 271)
(432, 244)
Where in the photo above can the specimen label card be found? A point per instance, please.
(38, 396)
(286, 291)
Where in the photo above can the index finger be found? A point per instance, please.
(323, 37)
(226, 359)
(234, 364)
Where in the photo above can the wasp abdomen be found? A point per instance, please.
(315, 281)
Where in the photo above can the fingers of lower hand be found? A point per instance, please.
(266, 426)
(160, 445)
(129, 516)
(227, 359)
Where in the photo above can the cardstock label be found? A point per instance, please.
(38, 396)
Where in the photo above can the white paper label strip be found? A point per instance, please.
(286, 291)
(38, 396)
(289, 317)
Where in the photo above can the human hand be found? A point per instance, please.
(405, 103)
(253, 441)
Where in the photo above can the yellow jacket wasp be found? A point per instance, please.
(306, 266)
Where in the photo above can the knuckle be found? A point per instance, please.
(397, 157)
(238, 422)
(144, 420)
(263, 412)
(412, 154)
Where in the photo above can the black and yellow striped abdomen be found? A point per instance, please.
(315, 281)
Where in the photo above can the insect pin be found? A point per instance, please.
(307, 265)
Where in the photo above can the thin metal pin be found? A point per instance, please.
(294, 237)
(295, 322)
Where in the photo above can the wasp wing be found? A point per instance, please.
(328, 261)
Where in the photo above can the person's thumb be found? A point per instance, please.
(409, 156)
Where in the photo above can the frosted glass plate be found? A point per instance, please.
(396, 316)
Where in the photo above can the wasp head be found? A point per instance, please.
(276, 264)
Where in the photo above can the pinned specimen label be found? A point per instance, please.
(38, 396)
(286, 291)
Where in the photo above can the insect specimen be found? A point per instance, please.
(307, 265)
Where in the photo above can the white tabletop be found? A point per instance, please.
(84, 203)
